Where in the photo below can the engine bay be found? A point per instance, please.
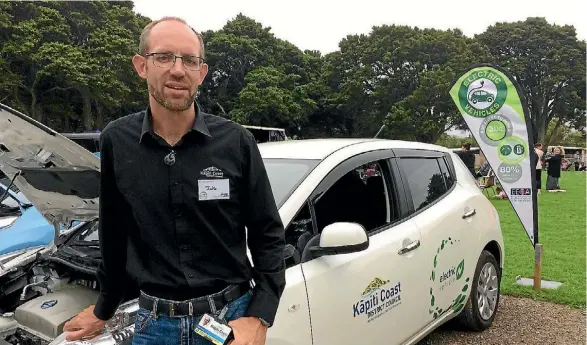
(37, 299)
(41, 298)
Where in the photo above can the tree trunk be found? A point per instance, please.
(99, 115)
(39, 115)
(34, 108)
(541, 127)
(553, 133)
(88, 121)
(17, 101)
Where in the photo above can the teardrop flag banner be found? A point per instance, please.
(495, 110)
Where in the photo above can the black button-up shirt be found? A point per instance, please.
(174, 218)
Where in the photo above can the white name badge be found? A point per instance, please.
(216, 189)
(216, 332)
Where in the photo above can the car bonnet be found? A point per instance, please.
(59, 177)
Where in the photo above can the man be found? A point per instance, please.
(178, 189)
(468, 157)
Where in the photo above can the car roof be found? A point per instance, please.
(322, 148)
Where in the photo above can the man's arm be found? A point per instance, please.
(266, 236)
(113, 236)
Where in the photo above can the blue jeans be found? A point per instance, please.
(166, 330)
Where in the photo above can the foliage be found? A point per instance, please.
(548, 61)
(68, 64)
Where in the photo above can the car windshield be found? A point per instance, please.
(286, 174)
(89, 235)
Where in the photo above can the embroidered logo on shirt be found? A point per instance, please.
(212, 172)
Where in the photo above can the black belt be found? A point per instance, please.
(199, 305)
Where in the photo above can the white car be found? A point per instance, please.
(386, 240)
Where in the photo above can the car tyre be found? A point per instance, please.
(481, 307)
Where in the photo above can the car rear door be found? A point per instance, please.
(365, 297)
(440, 209)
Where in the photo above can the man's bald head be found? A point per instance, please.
(144, 38)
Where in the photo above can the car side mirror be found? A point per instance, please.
(341, 238)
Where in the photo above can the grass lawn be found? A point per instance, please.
(562, 234)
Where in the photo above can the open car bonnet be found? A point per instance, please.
(59, 177)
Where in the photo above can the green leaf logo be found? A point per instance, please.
(460, 269)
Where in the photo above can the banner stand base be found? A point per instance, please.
(546, 284)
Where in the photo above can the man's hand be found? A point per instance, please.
(83, 325)
(248, 331)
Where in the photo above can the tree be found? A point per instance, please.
(399, 76)
(564, 135)
(548, 61)
(69, 62)
(273, 98)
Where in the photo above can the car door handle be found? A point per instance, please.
(470, 213)
(415, 244)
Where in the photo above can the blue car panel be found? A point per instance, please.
(29, 230)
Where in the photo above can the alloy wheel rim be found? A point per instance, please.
(487, 291)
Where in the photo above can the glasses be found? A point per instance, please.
(166, 60)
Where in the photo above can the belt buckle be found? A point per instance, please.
(230, 292)
(171, 309)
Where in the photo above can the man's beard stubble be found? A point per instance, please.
(174, 105)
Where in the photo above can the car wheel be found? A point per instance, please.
(483, 302)
(489, 99)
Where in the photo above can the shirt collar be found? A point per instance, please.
(199, 124)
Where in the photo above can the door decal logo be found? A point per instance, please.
(378, 298)
(442, 280)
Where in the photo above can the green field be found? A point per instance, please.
(562, 233)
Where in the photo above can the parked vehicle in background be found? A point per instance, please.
(267, 134)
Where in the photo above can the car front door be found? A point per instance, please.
(364, 297)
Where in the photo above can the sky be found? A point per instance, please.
(320, 25)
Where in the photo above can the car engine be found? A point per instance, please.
(41, 299)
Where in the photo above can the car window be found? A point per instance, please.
(359, 196)
(286, 174)
(425, 180)
(448, 178)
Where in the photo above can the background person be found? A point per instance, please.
(500, 193)
(540, 154)
(553, 170)
(468, 157)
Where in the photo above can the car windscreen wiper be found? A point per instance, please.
(5, 194)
